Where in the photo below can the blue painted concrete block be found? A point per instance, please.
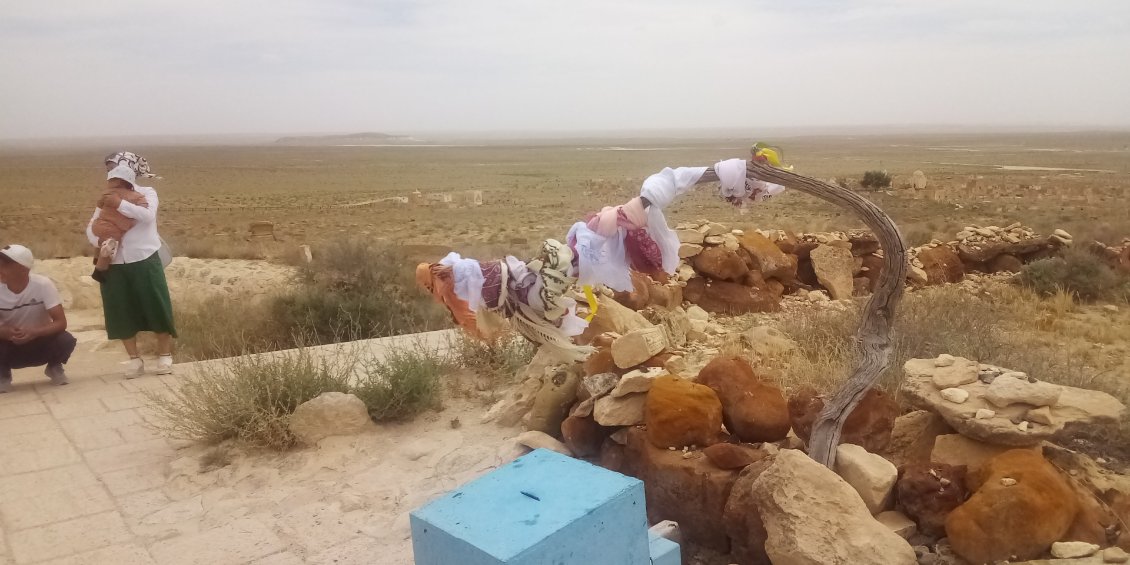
(541, 509)
(664, 551)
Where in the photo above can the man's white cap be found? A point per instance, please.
(123, 172)
(19, 254)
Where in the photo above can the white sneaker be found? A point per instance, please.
(164, 365)
(134, 368)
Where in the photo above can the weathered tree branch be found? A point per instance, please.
(874, 339)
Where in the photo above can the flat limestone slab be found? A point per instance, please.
(1075, 407)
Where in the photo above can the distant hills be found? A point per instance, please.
(364, 138)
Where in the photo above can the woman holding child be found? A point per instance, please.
(135, 294)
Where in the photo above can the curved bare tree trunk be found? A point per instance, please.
(875, 328)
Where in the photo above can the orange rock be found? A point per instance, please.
(640, 296)
(942, 265)
(690, 491)
(733, 455)
(928, 492)
(1017, 519)
(601, 362)
(679, 413)
(721, 297)
(583, 436)
(869, 425)
(767, 256)
(753, 410)
(720, 263)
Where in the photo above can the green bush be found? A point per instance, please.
(1078, 272)
(875, 179)
(499, 359)
(402, 384)
(352, 290)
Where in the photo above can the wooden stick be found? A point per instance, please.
(874, 335)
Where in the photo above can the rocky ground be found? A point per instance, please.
(971, 463)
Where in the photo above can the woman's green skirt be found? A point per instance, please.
(135, 298)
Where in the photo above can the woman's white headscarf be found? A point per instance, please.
(134, 161)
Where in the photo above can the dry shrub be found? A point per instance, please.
(928, 323)
(251, 398)
(351, 291)
(1011, 327)
(1079, 273)
(500, 359)
(402, 384)
(221, 326)
(355, 290)
(248, 398)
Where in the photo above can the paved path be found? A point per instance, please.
(84, 479)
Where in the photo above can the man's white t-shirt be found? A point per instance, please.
(28, 309)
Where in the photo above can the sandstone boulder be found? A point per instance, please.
(720, 264)
(863, 243)
(598, 385)
(869, 425)
(733, 455)
(622, 411)
(640, 296)
(1020, 507)
(638, 346)
(329, 414)
(688, 250)
(872, 269)
(509, 410)
(928, 492)
(985, 251)
(767, 257)
(956, 449)
(1007, 390)
(583, 436)
(942, 265)
(754, 410)
(639, 380)
(552, 402)
(540, 440)
(612, 317)
(834, 267)
(912, 438)
(742, 519)
(898, 523)
(870, 475)
(680, 413)
(689, 491)
(812, 517)
(1005, 264)
(721, 297)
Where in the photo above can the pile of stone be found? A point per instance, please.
(1116, 256)
(980, 467)
(738, 271)
(971, 475)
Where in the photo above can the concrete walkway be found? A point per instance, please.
(84, 479)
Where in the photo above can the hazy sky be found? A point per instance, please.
(155, 67)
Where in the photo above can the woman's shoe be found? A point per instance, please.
(164, 365)
(134, 368)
